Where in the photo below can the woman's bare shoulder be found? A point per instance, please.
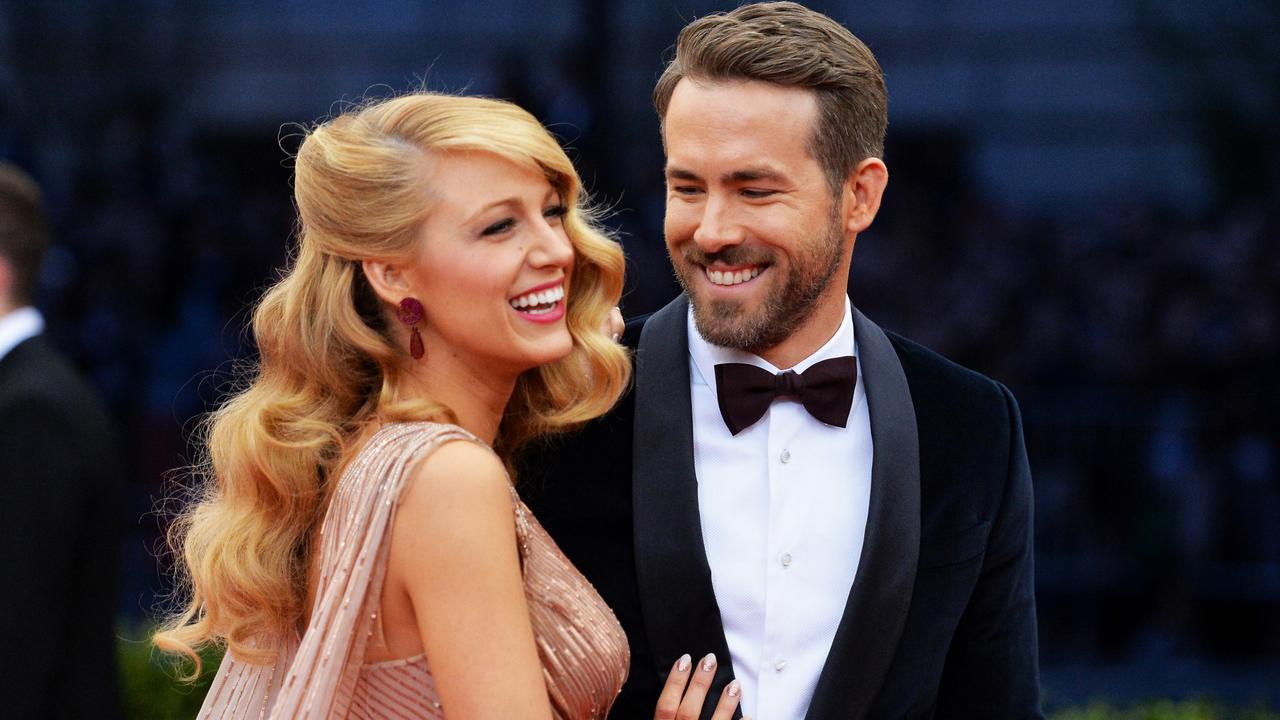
(459, 490)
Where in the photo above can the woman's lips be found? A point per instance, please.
(543, 304)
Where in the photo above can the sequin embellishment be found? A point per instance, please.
(583, 650)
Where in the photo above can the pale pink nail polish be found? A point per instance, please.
(709, 662)
(734, 689)
(683, 663)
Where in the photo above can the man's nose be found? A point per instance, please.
(718, 227)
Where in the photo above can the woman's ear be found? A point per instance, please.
(386, 280)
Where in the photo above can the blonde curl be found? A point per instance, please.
(328, 362)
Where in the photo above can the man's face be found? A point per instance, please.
(752, 227)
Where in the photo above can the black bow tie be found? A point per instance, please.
(825, 389)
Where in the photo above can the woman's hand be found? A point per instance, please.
(686, 689)
(614, 324)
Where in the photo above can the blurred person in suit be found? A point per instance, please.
(847, 513)
(61, 509)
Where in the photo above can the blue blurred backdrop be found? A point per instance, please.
(1084, 203)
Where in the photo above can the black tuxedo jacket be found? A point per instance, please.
(61, 516)
(940, 621)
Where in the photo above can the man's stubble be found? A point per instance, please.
(727, 324)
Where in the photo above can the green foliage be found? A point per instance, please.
(1164, 710)
(150, 683)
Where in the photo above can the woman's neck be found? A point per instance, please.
(477, 394)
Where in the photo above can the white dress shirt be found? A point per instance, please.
(784, 511)
(18, 326)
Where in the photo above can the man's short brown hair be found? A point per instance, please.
(790, 45)
(24, 231)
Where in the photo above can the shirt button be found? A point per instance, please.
(786, 456)
(779, 664)
(786, 559)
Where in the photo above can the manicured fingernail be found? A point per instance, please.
(709, 662)
(734, 689)
(683, 663)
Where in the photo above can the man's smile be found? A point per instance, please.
(729, 277)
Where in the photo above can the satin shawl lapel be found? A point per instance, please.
(676, 595)
(868, 634)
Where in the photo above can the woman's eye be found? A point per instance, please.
(499, 227)
(555, 211)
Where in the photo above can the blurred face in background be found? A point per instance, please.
(753, 229)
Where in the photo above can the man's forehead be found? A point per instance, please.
(746, 97)
(739, 123)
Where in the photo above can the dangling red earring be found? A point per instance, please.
(410, 313)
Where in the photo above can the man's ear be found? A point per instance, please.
(386, 280)
(862, 193)
(7, 300)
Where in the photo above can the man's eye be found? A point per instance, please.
(757, 193)
(684, 190)
(499, 227)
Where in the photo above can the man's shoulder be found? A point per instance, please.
(609, 433)
(969, 430)
(631, 335)
(34, 369)
(939, 383)
(37, 378)
(667, 319)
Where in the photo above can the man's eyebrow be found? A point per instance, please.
(737, 176)
(753, 174)
(679, 173)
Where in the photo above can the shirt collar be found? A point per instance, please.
(706, 356)
(20, 325)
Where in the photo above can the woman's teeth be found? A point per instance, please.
(718, 277)
(539, 302)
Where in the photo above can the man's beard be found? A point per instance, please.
(727, 324)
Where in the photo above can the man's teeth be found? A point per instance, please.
(718, 277)
(542, 301)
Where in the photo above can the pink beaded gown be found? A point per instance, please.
(582, 647)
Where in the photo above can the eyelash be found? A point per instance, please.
(499, 227)
(748, 192)
(555, 212)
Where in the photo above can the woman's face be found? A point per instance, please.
(492, 266)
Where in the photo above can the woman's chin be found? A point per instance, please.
(548, 350)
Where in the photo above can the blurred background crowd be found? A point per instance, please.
(1084, 204)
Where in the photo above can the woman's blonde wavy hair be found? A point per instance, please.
(328, 361)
